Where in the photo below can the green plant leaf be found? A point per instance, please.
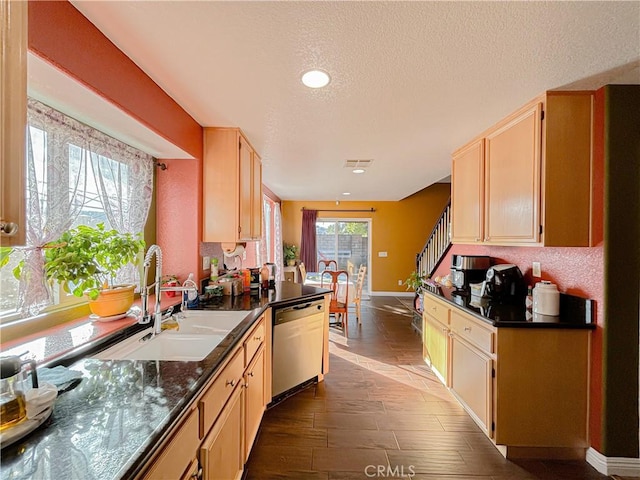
(5, 255)
(88, 257)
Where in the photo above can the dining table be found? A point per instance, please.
(314, 279)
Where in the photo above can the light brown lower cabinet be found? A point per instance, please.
(471, 381)
(254, 384)
(180, 453)
(436, 347)
(221, 453)
(526, 388)
(215, 438)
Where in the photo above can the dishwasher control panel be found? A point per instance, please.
(300, 310)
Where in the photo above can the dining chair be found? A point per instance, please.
(303, 272)
(336, 281)
(362, 271)
(327, 265)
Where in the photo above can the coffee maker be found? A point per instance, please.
(466, 269)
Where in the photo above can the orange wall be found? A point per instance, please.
(65, 38)
(398, 228)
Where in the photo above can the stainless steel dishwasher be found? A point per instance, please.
(297, 345)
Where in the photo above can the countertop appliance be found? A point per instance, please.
(297, 346)
(546, 298)
(466, 269)
(505, 283)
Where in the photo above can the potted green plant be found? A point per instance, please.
(290, 253)
(85, 260)
(416, 282)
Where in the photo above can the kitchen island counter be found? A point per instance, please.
(111, 424)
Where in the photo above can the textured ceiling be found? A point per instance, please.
(411, 81)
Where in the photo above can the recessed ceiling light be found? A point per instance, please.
(316, 79)
(358, 170)
(346, 193)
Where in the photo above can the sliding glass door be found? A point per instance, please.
(348, 242)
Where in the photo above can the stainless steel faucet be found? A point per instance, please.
(144, 291)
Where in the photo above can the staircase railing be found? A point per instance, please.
(427, 261)
(437, 245)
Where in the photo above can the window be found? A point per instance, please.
(269, 249)
(76, 175)
(347, 241)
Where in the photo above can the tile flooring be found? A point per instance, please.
(381, 413)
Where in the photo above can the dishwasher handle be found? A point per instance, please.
(295, 312)
(301, 307)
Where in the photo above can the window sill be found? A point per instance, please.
(55, 341)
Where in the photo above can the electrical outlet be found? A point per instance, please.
(399, 282)
(536, 270)
(382, 254)
(206, 263)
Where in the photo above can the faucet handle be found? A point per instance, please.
(168, 313)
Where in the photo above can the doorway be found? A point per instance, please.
(348, 242)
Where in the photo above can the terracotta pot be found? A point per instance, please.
(113, 301)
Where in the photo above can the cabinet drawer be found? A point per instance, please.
(473, 332)
(437, 310)
(253, 342)
(178, 455)
(216, 397)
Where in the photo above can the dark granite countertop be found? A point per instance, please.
(110, 425)
(575, 312)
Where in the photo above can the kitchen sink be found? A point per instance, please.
(209, 322)
(199, 332)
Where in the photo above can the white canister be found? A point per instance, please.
(546, 298)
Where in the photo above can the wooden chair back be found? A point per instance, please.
(357, 298)
(303, 272)
(336, 280)
(327, 265)
(362, 272)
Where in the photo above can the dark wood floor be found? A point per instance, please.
(381, 413)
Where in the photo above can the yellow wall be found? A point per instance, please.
(398, 228)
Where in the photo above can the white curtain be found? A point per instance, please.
(277, 241)
(124, 177)
(59, 178)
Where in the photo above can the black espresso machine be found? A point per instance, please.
(466, 269)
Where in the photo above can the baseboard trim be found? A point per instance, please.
(629, 467)
(393, 294)
(547, 453)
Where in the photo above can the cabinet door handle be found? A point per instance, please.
(444, 330)
(258, 339)
(197, 475)
(8, 228)
(245, 385)
(231, 382)
(250, 374)
(467, 329)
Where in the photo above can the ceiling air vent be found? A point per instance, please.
(357, 163)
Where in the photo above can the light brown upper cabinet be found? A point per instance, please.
(13, 121)
(467, 193)
(535, 184)
(232, 187)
